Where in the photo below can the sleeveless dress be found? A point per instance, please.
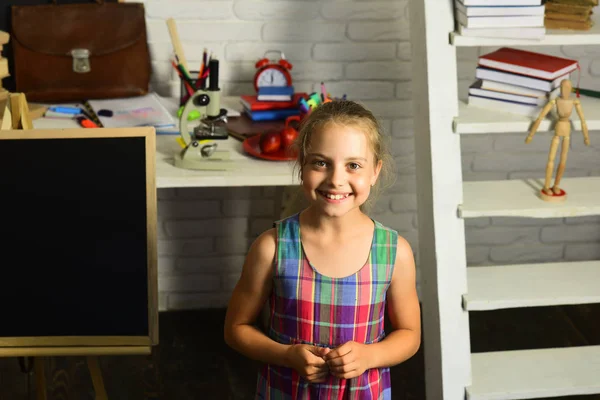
(310, 308)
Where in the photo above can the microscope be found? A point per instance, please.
(200, 148)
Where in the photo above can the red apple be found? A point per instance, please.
(288, 136)
(270, 142)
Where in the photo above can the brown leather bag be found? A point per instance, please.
(74, 52)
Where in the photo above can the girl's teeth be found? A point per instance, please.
(337, 196)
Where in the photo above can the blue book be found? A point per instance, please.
(272, 115)
(276, 90)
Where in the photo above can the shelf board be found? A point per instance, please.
(520, 198)
(528, 374)
(532, 285)
(481, 120)
(553, 37)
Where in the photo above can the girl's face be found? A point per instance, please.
(339, 169)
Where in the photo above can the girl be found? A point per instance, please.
(328, 272)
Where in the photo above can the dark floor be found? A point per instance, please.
(192, 361)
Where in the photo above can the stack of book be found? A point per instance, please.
(257, 108)
(4, 72)
(512, 19)
(569, 14)
(518, 81)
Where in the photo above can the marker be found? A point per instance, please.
(86, 123)
(65, 109)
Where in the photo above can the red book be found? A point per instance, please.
(528, 63)
(251, 103)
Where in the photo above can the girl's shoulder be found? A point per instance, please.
(383, 229)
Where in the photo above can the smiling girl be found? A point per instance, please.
(328, 273)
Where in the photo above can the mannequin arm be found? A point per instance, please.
(584, 128)
(539, 119)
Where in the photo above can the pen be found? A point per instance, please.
(323, 92)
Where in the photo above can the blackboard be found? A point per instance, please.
(78, 234)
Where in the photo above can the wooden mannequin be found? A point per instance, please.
(562, 129)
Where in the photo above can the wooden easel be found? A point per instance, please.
(16, 112)
(17, 116)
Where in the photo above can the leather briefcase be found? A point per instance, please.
(74, 52)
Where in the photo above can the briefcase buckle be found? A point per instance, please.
(81, 60)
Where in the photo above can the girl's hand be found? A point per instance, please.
(348, 360)
(308, 361)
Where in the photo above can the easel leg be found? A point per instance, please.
(40, 378)
(96, 375)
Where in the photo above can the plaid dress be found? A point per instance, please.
(310, 308)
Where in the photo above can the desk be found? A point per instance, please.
(249, 171)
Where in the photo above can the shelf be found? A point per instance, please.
(481, 120)
(553, 37)
(528, 374)
(532, 285)
(520, 198)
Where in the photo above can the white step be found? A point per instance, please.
(553, 37)
(472, 120)
(520, 198)
(530, 374)
(532, 285)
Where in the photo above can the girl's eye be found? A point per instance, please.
(320, 163)
(354, 166)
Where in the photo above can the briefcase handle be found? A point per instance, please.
(97, 1)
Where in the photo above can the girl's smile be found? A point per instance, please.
(333, 197)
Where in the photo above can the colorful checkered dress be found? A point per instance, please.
(310, 308)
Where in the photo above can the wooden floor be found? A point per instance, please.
(192, 361)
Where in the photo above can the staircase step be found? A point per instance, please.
(532, 285)
(529, 374)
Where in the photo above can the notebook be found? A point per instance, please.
(145, 110)
(537, 65)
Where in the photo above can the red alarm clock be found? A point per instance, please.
(272, 73)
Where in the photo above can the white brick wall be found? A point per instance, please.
(361, 48)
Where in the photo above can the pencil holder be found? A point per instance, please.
(183, 91)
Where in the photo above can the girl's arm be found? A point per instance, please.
(247, 300)
(246, 303)
(404, 313)
(352, 359)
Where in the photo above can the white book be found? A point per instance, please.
(527, 110)
(514, 89)
(491, 3)
(504, 33)
(478, 11)
(477, 90)
(519, 80)
(511, 21)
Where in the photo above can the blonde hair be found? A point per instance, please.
(348, 113)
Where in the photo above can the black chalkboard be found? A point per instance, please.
(74, 234)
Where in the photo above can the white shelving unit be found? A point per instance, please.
(451, 289)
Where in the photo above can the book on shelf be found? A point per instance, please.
(476, 89)
(513, 107)
(504, 33)
(569, 14)
(510, 21)
(252, 103)
(529, 63)
(519, 80)
(517, 90)
(492, 3)
(480, 11)
(275, 93)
